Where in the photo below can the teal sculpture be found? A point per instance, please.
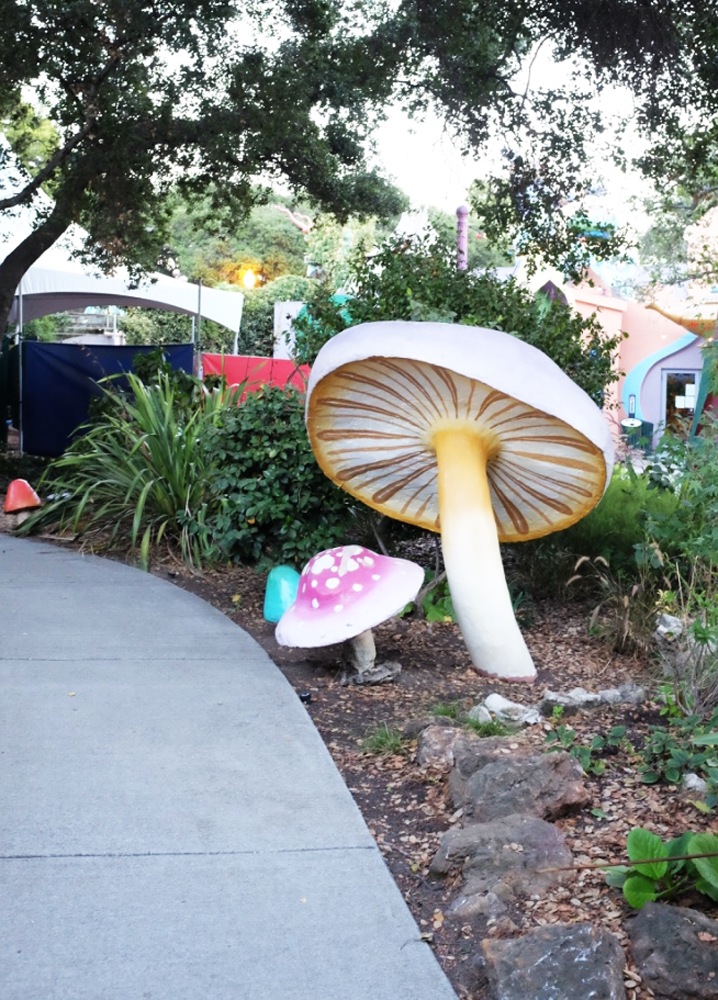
(281, 592)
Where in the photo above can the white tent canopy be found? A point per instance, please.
(57, 282)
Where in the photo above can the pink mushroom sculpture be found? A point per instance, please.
(343, 593)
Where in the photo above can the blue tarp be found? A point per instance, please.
(59, 380)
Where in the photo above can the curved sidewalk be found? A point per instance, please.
(172, 826)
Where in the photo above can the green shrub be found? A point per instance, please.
(686, 745)
(271, 500)
(138, 476)
(566, 738)
(155, 326)
(418, 280)
(541, 567)
(620, 521)
(664, 870)
(617, 531)
(687, 471)
(256, 332)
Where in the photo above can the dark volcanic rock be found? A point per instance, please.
(502, 862)
(471, 755)
(446, 744)
(676, 951)
(548, 785)
(561, 962)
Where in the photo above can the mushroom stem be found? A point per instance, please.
(359, 653)
(473, 558)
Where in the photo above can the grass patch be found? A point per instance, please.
(447, 710)
(493, 728)
(385, 740)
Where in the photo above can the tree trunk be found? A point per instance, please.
(21, 259)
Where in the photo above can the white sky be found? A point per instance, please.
(424, 163)
(428, 167)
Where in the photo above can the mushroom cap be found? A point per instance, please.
(345, 591)
(379, 391)
(21, 496)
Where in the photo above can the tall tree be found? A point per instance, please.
(145, 93)
(201, 94)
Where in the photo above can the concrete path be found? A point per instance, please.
(171, 824)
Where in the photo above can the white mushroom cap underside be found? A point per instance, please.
(378, 392)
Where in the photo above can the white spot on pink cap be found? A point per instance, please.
(322, 563)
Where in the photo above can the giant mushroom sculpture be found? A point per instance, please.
(466, 431)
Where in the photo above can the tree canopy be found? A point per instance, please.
(212, 94)
(147, 96)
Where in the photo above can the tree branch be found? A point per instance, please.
(19, 260)
(62, 154)
(48, 170)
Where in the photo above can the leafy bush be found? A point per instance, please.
(663, 870)
(687, 469)
(684, 746)
(139, 475)
(435, 599)
(155, 326)
(271, 500)
(434, 602)
(620, 520)
(46, 328)
(615, 539)
(690, 655)
(418, 280)
(256, 332)
(566, 738)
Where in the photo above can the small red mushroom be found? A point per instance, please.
(21, 500)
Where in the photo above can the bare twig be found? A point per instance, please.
(620, 864)
(429, 587)
(379, 539)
